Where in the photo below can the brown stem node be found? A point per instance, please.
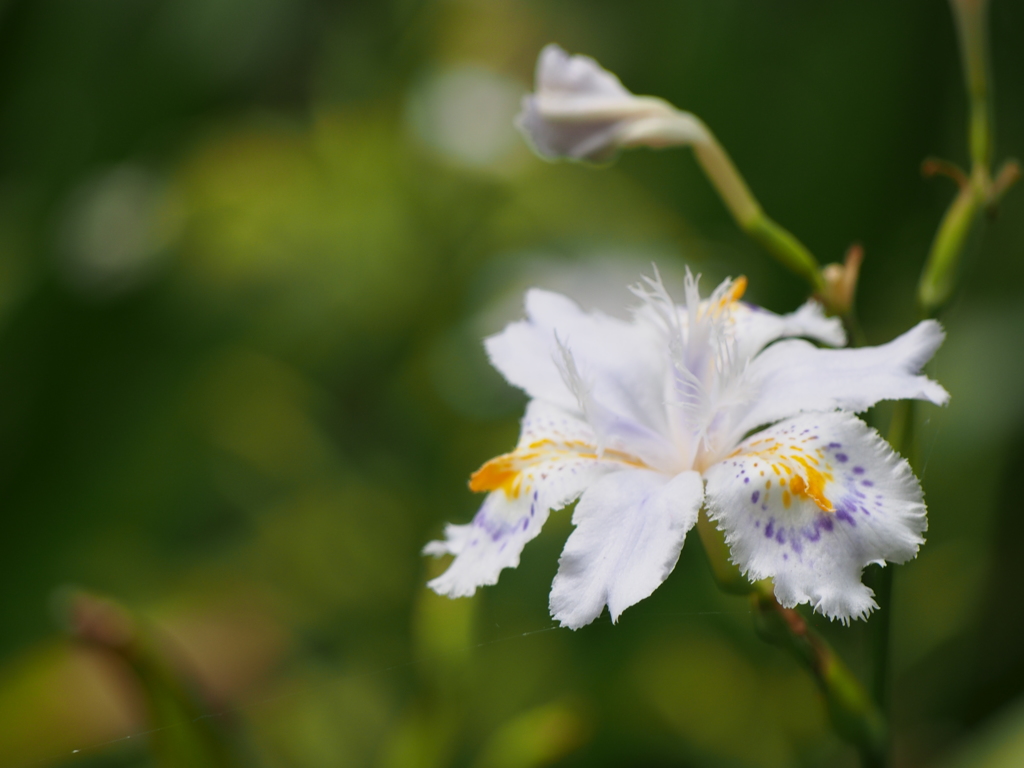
(936, 166)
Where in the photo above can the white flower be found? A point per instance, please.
(582, 111)
(645, 421)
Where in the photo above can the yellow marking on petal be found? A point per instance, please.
(810, 487)
(505, 472)
(502, 472)
(786, 499)
(813, 488)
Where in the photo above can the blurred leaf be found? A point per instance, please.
(538, 737)
(56, 699)
(310, 228)
(444, 632)
(1000, 744)
(723, 705)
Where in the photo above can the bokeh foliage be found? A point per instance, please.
(247, 252)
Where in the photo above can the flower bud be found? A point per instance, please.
(841, 282)
(582, 111)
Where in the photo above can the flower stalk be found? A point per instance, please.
(750, 216)
(853, 714)
(580, 111)
(979, 191)
(972, 31)
(901, 437)
(940, 272)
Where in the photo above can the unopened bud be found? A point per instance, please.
(581, 111)
(840, 280)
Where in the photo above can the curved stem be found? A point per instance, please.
(853, 714)
(940, 272)
(749, 215)
(977, 190)
(851, 710)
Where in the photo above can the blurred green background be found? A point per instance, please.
(248, 250)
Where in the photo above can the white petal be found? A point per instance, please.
(554, 461)
(810, 502)
(581, 140)
(756, 328)
(630, 527)
(582, 111)
(623, 365)
(558, 73)
(794, 376)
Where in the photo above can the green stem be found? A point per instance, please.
(787, 249)
(854, 330)
(977, 190)
(727, 575)
(881, 633)
(901, 438)
(940, 272)
(972, 31)
(749, 215)
(851, 710)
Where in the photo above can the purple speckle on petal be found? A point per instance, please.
(769, 529)
(754, 497)
(867, 483)
(780, 536)
(845, 516)
(842, 457)
(526, 523)
(835, 445)
(746, 480)
(826, 523)
(858, 470)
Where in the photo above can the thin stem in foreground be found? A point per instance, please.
(901, 438)
(853, 714)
